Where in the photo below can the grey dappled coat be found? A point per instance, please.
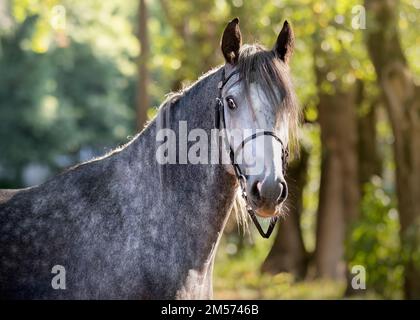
(123, 226)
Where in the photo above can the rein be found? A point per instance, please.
(220, 123)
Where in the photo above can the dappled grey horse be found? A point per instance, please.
(133, 224)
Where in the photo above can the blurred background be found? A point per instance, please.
(78, 78)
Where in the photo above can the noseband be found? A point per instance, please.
(220, 123)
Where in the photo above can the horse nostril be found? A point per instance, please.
(255, 190)
(283, 192)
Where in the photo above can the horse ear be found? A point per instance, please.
(285, 43)
(231, 41)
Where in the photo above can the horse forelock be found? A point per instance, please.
(258, 65)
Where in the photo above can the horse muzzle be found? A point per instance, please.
(266, 195)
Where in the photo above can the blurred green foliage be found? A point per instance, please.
(57, 97)
(238, 276)
(374, 241)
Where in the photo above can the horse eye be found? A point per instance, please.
(231, 103)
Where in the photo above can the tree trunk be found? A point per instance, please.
(194, 41)
(339, 190)
(370, 162)
(288, 252)
(142, 99)
(402, 99)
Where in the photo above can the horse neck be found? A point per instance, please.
(194, 199)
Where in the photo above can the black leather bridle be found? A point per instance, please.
(221, 125)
